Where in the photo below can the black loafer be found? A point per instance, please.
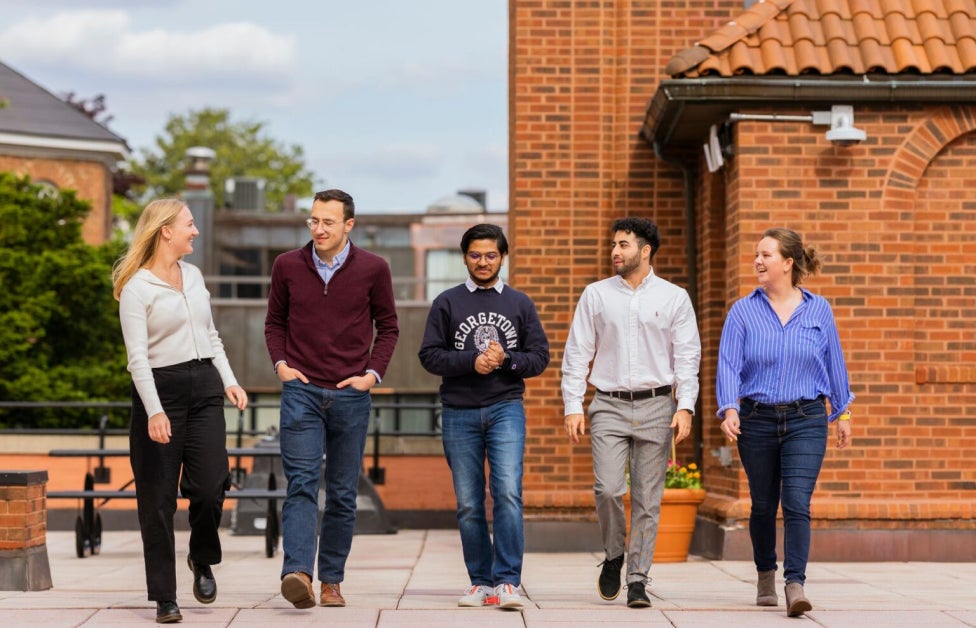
(204, 585)
(168, 612)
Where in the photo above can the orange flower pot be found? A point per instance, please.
(679, 508)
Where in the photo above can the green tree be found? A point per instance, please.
(60, 338)
(243, 149)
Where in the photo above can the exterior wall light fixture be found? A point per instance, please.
(840, 119)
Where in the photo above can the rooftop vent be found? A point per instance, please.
(244, 193)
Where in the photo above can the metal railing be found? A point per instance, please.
(256, 287)
(376, 473)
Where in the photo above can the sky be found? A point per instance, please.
(398, 102)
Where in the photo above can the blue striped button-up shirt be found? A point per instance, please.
(761, 359)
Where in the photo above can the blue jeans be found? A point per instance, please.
(495, 432)
(782, 448)
(315, 421)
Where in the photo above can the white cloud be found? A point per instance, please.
(446, 72)
(104, 41)
(491, 157)
(399, 102)
(402, 161)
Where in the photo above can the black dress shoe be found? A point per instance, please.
(636, 597)
(168, 612)
(204, 585)
(608, 584)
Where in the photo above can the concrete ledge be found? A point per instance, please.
(22, 478)
(563, 536)
(717, 542)
(23, 559)
(25, 569)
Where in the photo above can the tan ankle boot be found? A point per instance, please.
(766, 589)
(796, 602)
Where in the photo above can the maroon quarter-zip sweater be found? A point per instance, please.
(327, 332)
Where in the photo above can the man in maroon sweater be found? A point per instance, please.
(331, 329)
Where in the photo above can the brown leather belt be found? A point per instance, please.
(637, 395)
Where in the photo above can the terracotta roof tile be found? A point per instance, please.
(773, 57)
(807, 59)
(866, 28)
(872, 57)
(958, 6)
(800, 27)
(905, 58)
(802, 37)
(967, 54)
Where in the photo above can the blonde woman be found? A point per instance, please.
(180, 375)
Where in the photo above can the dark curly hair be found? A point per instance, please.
(644, 229)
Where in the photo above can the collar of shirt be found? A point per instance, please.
(759, 293)
(337, 261)
(472, 286)
(645, 282)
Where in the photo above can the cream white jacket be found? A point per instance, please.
(163, 326)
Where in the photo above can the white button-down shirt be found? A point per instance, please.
(637, 340)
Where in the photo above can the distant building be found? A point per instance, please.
(421, 248)
(59, 147)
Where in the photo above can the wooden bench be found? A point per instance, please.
(88, 525)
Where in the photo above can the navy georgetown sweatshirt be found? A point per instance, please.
(459, 327)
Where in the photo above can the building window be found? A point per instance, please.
(446, 269)
(241, 263)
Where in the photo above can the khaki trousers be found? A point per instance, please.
(632, 436)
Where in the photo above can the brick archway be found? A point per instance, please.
(940, 224)
(920, 148)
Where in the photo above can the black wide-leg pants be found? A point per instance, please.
(193, 397)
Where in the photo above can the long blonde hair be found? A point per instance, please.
(145, 240)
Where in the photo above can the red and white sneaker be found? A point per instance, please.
(477, 595)
(508, 597)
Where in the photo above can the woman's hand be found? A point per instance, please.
(730, 426)
(159, 428)
(237, 396)
(843, 433)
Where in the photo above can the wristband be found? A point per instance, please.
(844, 416)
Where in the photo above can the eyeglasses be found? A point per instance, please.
(313, 223)
(475, 256)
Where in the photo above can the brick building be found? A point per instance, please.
(610, 105)
(58, 146)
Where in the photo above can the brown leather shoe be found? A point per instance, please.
(297, 588)
(331, 596)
